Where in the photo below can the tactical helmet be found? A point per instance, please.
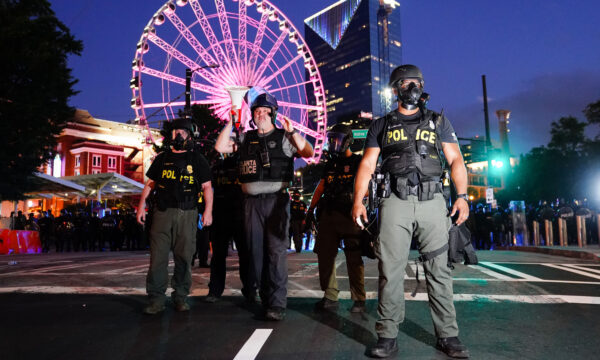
(403, 72)
(265, 100)
(340, 138)
(184, 124)
(296, 196)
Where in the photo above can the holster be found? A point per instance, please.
(400, 188)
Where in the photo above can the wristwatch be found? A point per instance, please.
(290, 133)
(465, 197)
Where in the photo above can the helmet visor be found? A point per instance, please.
(336, 141)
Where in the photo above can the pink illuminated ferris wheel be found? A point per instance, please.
(228, 43)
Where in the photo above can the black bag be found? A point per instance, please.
(460, 247)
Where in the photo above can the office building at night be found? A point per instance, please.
(356, 44)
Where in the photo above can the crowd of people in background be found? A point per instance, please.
(117, 230)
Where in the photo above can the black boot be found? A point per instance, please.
(452, 347)
(385, 347)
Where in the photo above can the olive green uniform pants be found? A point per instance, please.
(428, 222)
(333, 227)
(172, 229)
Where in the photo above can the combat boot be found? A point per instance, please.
(181, 305)
(326, 304)
(384, 348)
(452, 347)
(154, 308)
(275, 313)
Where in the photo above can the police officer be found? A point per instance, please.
(297, 213)
(266, 167)
(179, 176)
(410, 140)
(335, 222)
(228, 225)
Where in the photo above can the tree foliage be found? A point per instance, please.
(568, 168)
(35, 86)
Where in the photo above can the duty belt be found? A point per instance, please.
(425, 190)
(267, 195)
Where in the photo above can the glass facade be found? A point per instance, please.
(356, 44)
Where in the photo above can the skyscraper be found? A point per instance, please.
(356, 44)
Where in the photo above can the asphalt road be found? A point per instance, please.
(88, 306)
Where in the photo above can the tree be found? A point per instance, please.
(592, 112)
(35, 86)
(567, 135)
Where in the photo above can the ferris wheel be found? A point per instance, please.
(227, 44)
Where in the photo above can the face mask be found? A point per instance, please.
(178, 143)
(337, 143)
(410, 96)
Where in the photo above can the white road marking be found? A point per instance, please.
(579, 272)
(583, 268)
(316, 294)
(252, 347)
(509, 270)
(491, 273)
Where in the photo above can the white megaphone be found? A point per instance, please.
(237, 93)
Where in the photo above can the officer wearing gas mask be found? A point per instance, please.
(334, 198)
(177, 176)
(266, 167)
(410, 141)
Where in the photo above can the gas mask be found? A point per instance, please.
(179, 143)
(410, 96)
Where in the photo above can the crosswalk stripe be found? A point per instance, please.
(491, 273)
(509, 270)
(574, 271)
(579, 267)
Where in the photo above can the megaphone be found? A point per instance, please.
(237, 93)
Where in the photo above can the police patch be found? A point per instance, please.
(272, 144)
(347, 168)
(190, 170)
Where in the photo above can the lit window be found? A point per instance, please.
(347, 84)
(96, 160)
(112, 162)
(77, 173)
(77, 160)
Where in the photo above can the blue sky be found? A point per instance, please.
(541, 57)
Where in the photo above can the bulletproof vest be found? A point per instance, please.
(225, 178)
(177, 187)
(108, 222)
(253, 158)
(339, 179)
(408, 148)
(297, 210)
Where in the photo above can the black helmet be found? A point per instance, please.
(296, 196)
(265, 100)
(184, 124)
(406, 72)
(340, 138)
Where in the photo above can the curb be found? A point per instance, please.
(579, 254)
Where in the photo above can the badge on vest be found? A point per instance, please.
(190, 170)
(272, 144)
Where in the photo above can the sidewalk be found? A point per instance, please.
(590, 252)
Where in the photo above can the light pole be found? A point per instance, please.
(188, 87)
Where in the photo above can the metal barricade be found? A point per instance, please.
(536, 233)
(549, 232)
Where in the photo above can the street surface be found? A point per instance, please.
(88, 306)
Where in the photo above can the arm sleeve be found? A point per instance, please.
(153, 172)
(446, 132)
(374, 134)
(288, 149)
(204, 173)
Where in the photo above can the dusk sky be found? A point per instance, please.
(541, 57)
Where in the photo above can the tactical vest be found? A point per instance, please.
(225, 179)
(406, 148)
(250, 163)
(339, 180)
(177, 187)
